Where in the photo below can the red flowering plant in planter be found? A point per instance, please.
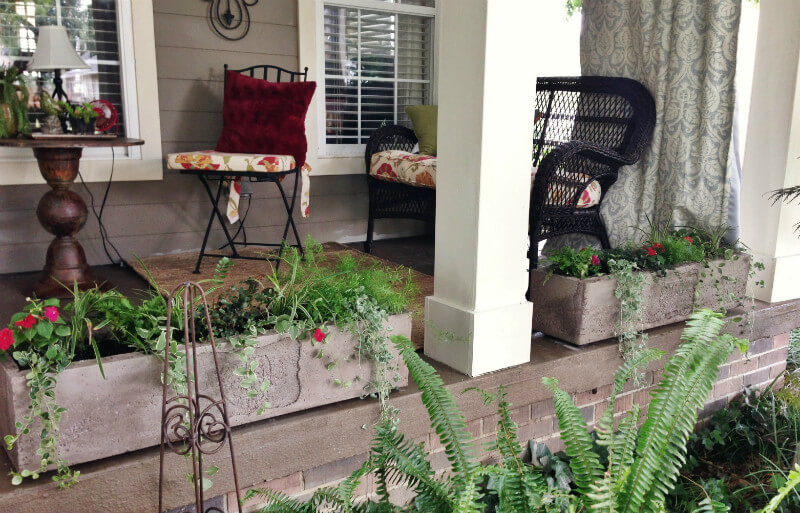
(40, 339)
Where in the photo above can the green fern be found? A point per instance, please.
(709, 505)
(791, 483)
(446, 419)
(584, 461)
(685, 385)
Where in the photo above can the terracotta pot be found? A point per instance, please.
(8, 119)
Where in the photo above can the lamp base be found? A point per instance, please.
(58, 92)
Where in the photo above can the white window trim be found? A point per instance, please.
(140, 97)
(342, 159)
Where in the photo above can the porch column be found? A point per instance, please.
(772, 150)
(478, 320)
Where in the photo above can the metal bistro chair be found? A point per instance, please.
(264, 71)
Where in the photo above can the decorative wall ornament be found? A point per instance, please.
(230, 19)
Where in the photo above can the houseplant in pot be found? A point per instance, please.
(13, 103)
(81, 117)
(51, 124)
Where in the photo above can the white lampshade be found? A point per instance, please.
(54, 51)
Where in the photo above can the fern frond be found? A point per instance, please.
(403, 462)
(584, 461)
(711, 506)
(621, 451)
(277, 502)
(605, 424)
(792, 481)
(686, 383)
(444, 414)
(603, 495)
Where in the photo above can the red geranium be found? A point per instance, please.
(319, 335)
(595, 260)
(51, 312)
(658, 246)
(6, 339)
(688, 239)
(650, 251)
(27, 322)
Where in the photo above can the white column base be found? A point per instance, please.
(477, 342)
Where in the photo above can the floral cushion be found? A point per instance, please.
(404, 167)
(420, 170)
(590, 196)
(214, 160)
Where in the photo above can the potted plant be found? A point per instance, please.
(13, 103)
(81, 117)
(51, 109)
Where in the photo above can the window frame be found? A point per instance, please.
(138, 80)
(349, 150)
(340, 159)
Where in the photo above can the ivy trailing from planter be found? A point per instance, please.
(660, 250)
(357, 295)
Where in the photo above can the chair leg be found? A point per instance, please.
(290, 215)
(604, 242)
(214, 202)
(370, 232)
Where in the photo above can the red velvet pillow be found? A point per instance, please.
(265, 117)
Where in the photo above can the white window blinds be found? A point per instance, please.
(376, 63)
(91, 26)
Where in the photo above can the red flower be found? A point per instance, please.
(688, 239)
(658, 246)
(27, 322)
(6, 339)
(319, 335)
(595, 260)
(51, 312)
(650, 251)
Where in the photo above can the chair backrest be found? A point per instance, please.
(272, 73)
(616, 113)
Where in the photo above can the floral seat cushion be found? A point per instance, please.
(420, 170)
(210, 160)
(404, 167)
(590, 196)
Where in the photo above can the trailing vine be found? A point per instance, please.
(630, 292)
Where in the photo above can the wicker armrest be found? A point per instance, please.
(575, 173)
(390, 137)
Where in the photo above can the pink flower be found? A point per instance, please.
(51, 312)
(27, 322)
(319, 335)
(595, 260)
(6, 339)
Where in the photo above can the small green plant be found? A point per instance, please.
(85, 112)
(14, 103)
(48, 105)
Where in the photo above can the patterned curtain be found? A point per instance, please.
(684, 52)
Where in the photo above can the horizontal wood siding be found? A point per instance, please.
(154, 217)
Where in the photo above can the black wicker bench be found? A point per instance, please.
(586, 128)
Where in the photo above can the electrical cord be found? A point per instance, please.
(99, 215)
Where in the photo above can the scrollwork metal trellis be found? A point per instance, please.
(193, 422)
(230, 19)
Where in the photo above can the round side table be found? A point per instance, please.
(61, 211)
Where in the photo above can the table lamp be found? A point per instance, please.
(55, 52)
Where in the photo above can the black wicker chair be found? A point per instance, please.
(585, 129)
(389, 200)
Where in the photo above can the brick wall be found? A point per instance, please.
(765, 361)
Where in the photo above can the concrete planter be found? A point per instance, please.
(123, 412)
(585, 311)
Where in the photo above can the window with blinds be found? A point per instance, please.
(377, 61)
(92, 27)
